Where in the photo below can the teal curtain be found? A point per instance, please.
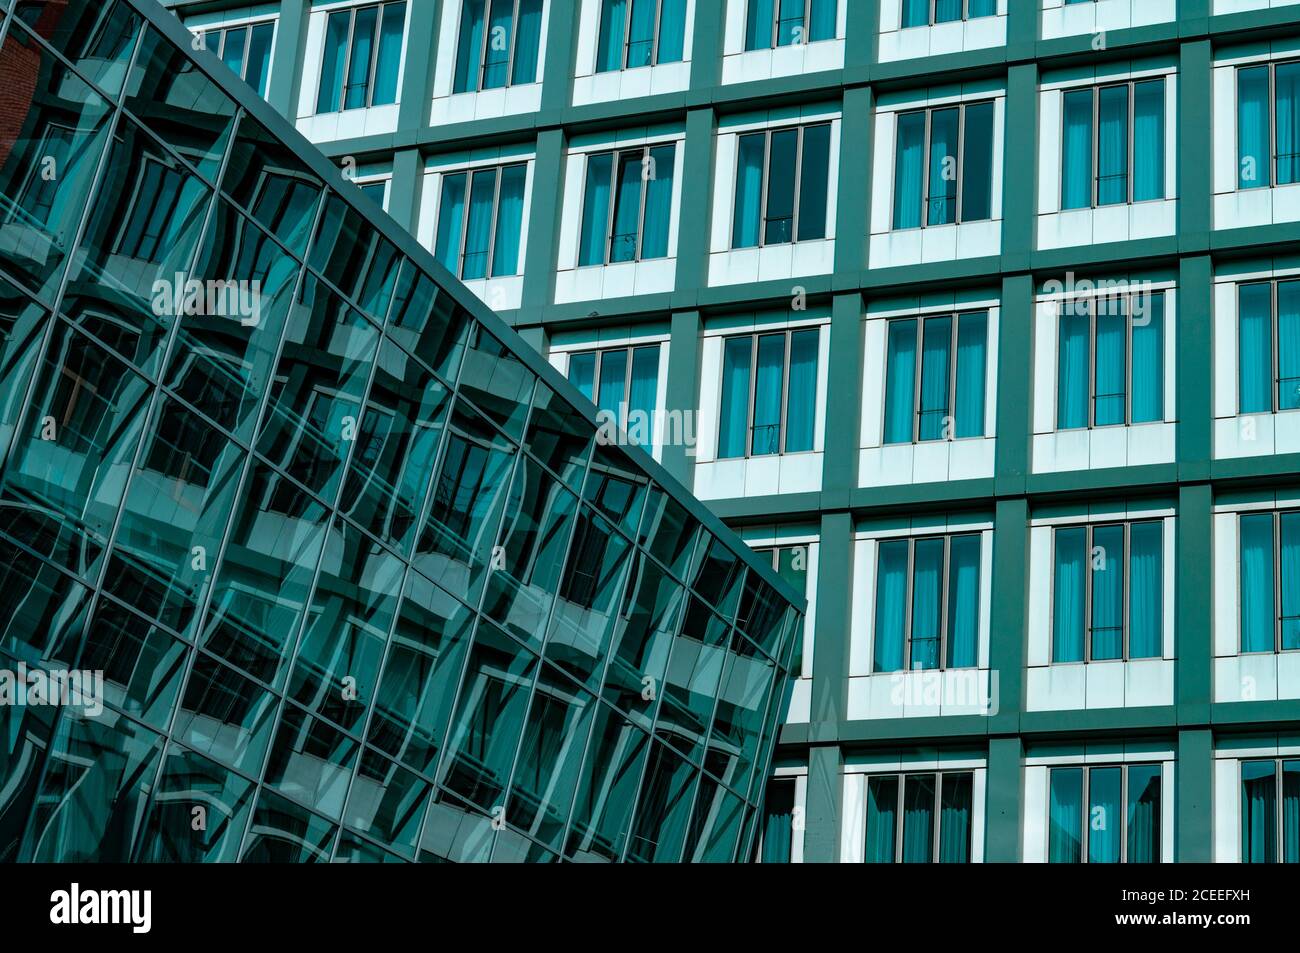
(972, 343)
(1254, 163)
(1288, 345)
(758, 25)
(768, 382)
(1068, 593)
(332, 60)
(478, 233)
(1259, 812)
(627, 207)
(528, 39)
(1110, 374)
(469, 47)
(1291, 812)
(982, 8)
(821, 21)
(644, 395)
(957, 800)
(496, 60)
(977, 164)
(927, 602)
(1107, 564)
(1289, 546)
(918, 818)
(357, 85)
(947, 11)
(451, 220)
(782, 161)
(891, 606)
(1149, 140)
(672, 31)
(1287, 83)
(749, 191)
(232, 50)
(595, 209)
(882, 819)
(641, 34)
(1105, 819)
(611, 388)
(390, 54)
(1112, 145)
(1148, 373)
(936, 357)
(659, 202)
(1076, 150)
(1072, 366)
(814, 181)
(964, 601)
(733, 425)
(259, 57)
(944, 129)
(909, 170)
(778, 822)
(801, 402)
(916, 13)
(1146, 589)
(1256, 583)
(582, 374)
(1255, 348)
(900, 381)
(510, 220)
(1143, 814)
(609, 48)
(1065, 814)
(789, 23)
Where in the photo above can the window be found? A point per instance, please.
(1110, 361)
(943, 166)
(1104, 815)
(627, 205)
(769, 393)
(1108, 131)
(778, 822)
(153, 215)
(637, 33)
(498, 44)
(246, 49)
(623, 383)
(927, 12)
(935, 391)
(1270, 826)
(363, 52)
(773, 23)
(781, 186)
(1108, 591)
(791, 564)
(918, 818)
(927, 603)
(40, 189)
(1268, 347)
(480, 221)
(1268, 138)
(377, 191)
(1270, 581)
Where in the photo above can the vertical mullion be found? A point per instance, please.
(1275, 358)
(1087, 593)
(1096, 146)
(492, 225)
(654, 40)
(961, 156)
(753, 387)
(1272, 132)
(916, 390)
(1127, 565)
(613, 203)
(627, 385)
(938, 790)
(1279, 836)
(645, 189)
(925, 166)
(794, 186)
(374, 55)
(1087, 796)
(765, 185)
(807, 20)
(514, 44)
(1092, 363)
(627, 32)
(483, 46)
(464, 222)
(1132, 144)
(347, 62)
(1128, 359)
(1277, 580)
(898, 834)
(952, 377)
(785, 392)
(774, 33)
(907, 629)
(1123, 810)
(595, 380)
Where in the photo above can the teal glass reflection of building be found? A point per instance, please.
(361, 581)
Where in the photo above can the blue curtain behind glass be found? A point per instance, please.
(963, 601)
(627, 207)
(582, 374)
(1149, 140)
(982, 8)
(944, 126)
(947, 11)
(469, 47)
(801, 402)
(609, 49)
(611, 389)
(882, 820)
(390, 54)
(789, 23)
(1256, 582)
(778, 832)
(977, 164)
(972, 341)
(1143, 810)
(1105, 819)
(1110, 372)
(916, 13)
(1072, 366)
(900, 381)
(891, 606)
(1255, 348)
(814, 179)
(1287, 80)
(758, 25)
(821, 25)
(595, 210)
(1149, 358)
(954, 819)
(451, 218)
(749, 191)
(1068, 594)
(1258, 812)
(641, 34)
(232, 51)
(768, 382)
(918, 818)
(1288, 345)
(1254, 163)
(935, 369)
(734, 423)
(1290, 594)
(659, 203)
(927, 599)
(1107, 568)
(1291, 812)
(479, 231)
(672, 31)
(528, 38)
(644, 395)
(331, 73)
(1065, 813)
(1112, 146)
(510, 220)
(1146, 589)
(357, 84)
(909, 170)
(1076, 150)
(496, 60)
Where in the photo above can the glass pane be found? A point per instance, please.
(801, 399)
(1068, 592)
(1255, 348)
(509, 226)
(658, 202)
(97, 38)
(918, 818)
(956, 791)
(1149, 140)
(1291, 812)
(271, 183)
(528, 35)
(942, 200)
(977, 164)
(1259, 812)
(259, 57)
(1143, 814)
(284, 833)
(768, 389)
(814, 179)
(1105, 822)
(389, 58)
(329, 92)
(733, 427)
(758, 24)
(891, 606)
(927, 603)
(1107, 561)
(1288, 345)
(613, 28)
(591, 589)
(1254, 163)
(1289, 596)
(972, 348)
(1064, 844)
(1072, 365)
(595, 210)
(607, 790)
(469, 46)
(478, 231)
(936, 367)
(225, 716)
(1076, 150)
(748, 210)
(1148, 370)
(964, 600)
(882, 819)
(641, 33)
(909, 170)
(778, 223)
(611, 389)
(1146, 590)
(900, 381)
(1112, 146)
(356, 89)
(1257, 580)
(451, 221)
(311, 762)
(189, 781)
(387, 803)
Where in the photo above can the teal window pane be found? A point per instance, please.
(613, 28)
(611, 393)
(814, 180)
(909, 170)
(356, 90)
(822, 18)
(643, 397)
(783, 157)
(1255, 165)
(768, 387)
(927, 603)
(900, 381)
(935, 421)
(1146, 590)
(1259, 812)
(955, 818)
(451, 218)
(1110, 378)
(733, 426)
(658, 202)
(496, 55)
(225, 716)
(389, 57)
(234, 42)
(918, 818)
(1072, 385)
(1255, 348)
(1076, 150)
(469, 46)
(1068, 593)
(1065, 815)
(626, 225)
(890, 632)
(1290, 812)
(742, 705)
(478, 228)
(981, 8)
(778, 822)
(749, 191)
(186, 781)
(1112, 145)
(1105, 820)
(1149, 140)
(1286, 81)
(801, 399)
(882, 819)
(428, 324)
(387, 803)
(528, 38)
(1148, 347)
(789, 22)
(964, 601)
(48, 608)
(941, 203)
(1142, 814)
(333, 60)
(977, 164)
(758, 24)
(284, 833)
(1288, 345)
(595, 210)
(582, 374)
(1289, 596)
(141, 664)
(916, 13)
(642, 635)
(272, 185)
(641, 33)
(947, 11)
(310, 762)
(616, 754)
(1257, 580)
(258, 67)
(593, 581)
(972, 372)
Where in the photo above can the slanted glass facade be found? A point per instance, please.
(359, 579)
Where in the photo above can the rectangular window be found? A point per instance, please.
(1110, 356)
(1113, 144)
(927, 603)
(781, 186)
(246, 49)
(1270, 581)
(1268, 125)
(935, 390)
(919, 818)
(1270, 825)
(769, 393)
(778, 822)
(376, 191)
(497, 45)
(622, 382)
(1268, 347)
(791, 564)
(1104, 814)
(635, 33)
(627, 202)
(1108, 591)
(362, 57)
(943, 166)
(480, 219)
(773, 23)
(929, 12)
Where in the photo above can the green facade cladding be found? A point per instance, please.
(306, 556)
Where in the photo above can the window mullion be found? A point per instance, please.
(1123, 810)
(464, 222)
(1277, 581)
(1087, 593)
(925, 171)
(1126, 563)
(514, 44)
(347, 62)
(785, 391)
(943, 604)
(907, 612)
(595, 380)
(492, 225)
(1132, 137)
(374, 55)
(916, 389)
(952, 380)
(1087, 795)
(617, 158)
(654, 40)
(645, 189)
(1092, 363)
(1276, 357)
(627, 34)
(485, 42)
(961, 158)
(765, 185)
(898, 834)
(938, 800)
(753, 390)
(1096, 146)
